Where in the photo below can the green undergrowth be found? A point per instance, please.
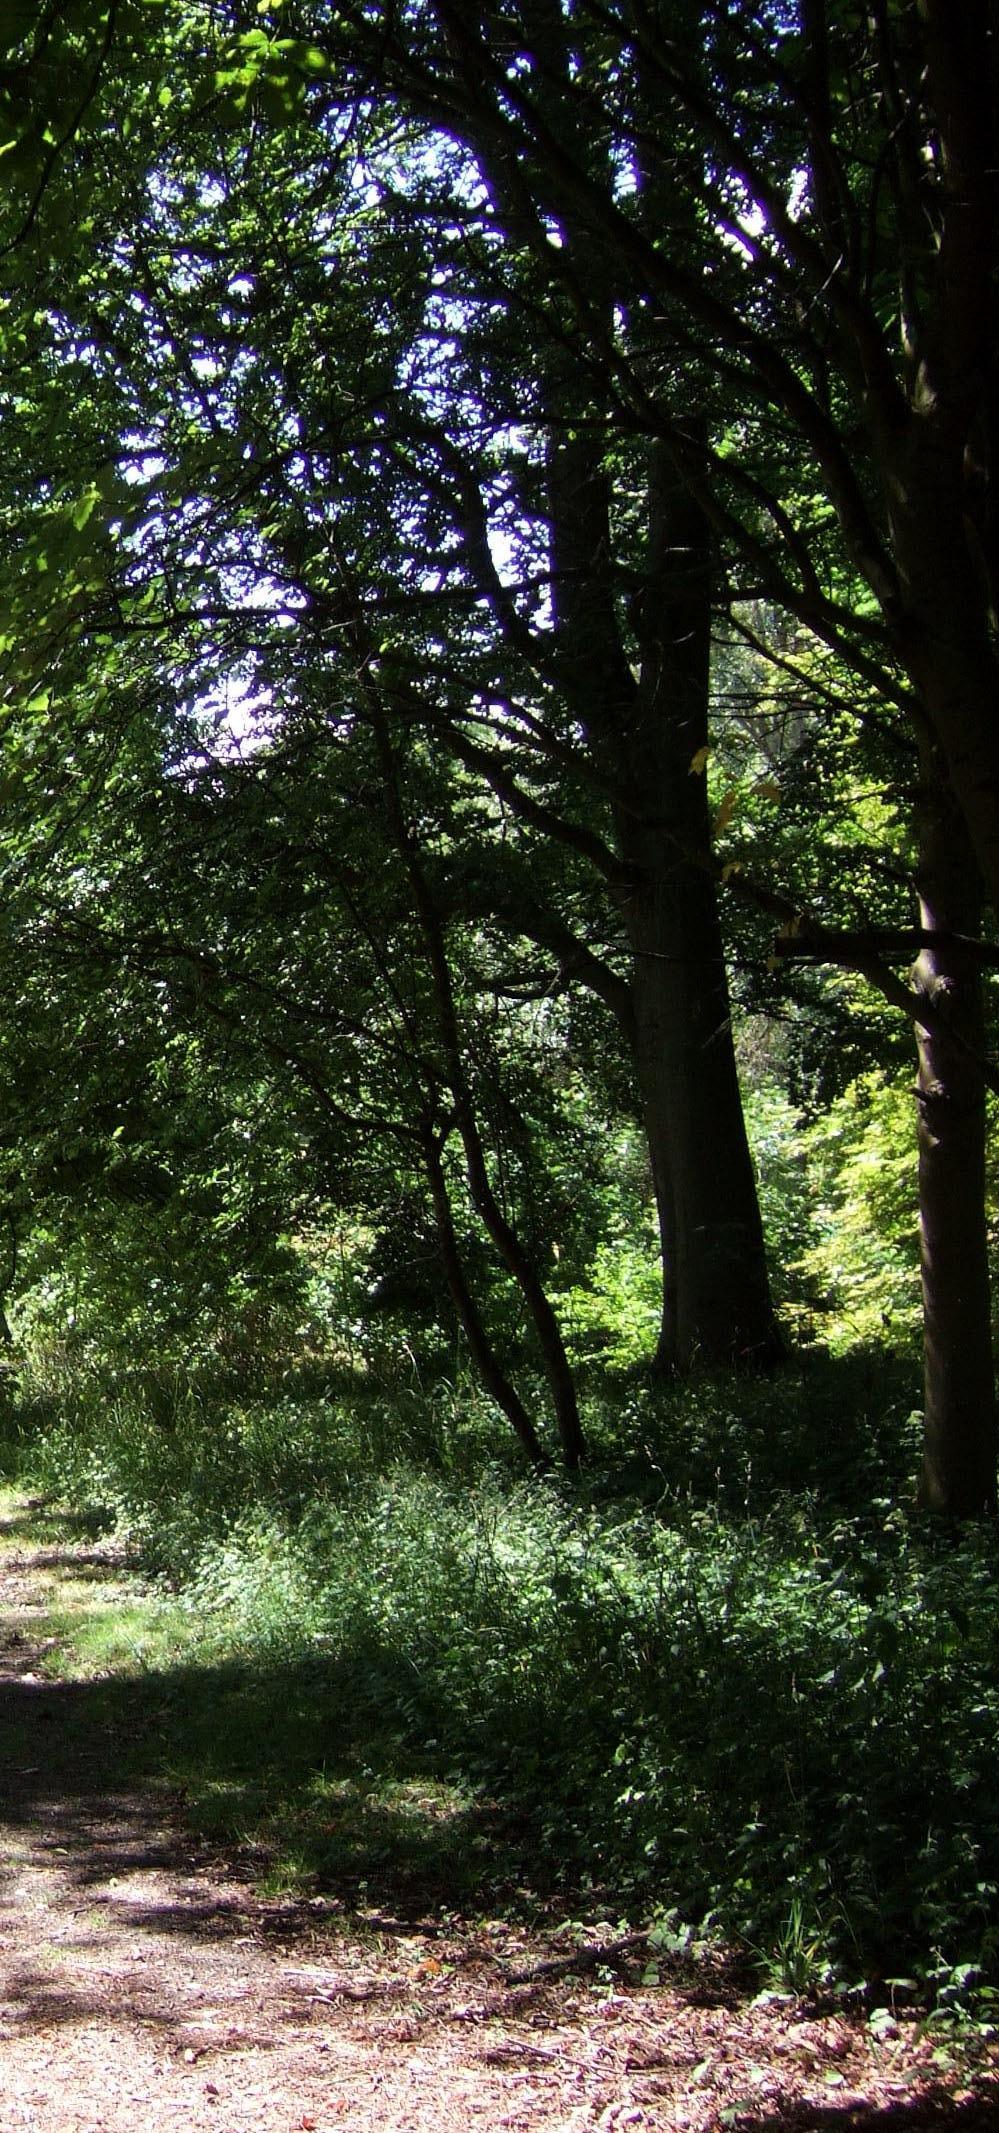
(730, 1680)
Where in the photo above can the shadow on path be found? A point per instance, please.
(934, 2109)
(100, 1776)
(95, 1829)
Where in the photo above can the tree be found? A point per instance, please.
(829, 271)
(571, 678)
(581, 324)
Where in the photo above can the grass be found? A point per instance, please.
(731, 1679)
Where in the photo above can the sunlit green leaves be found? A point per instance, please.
(267, 75)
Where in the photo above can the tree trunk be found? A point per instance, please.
(483, 1354)
(717, 1311)
(959, 1462)
(943, 634)
(649, 740)
(512, 1251)
(518, 1262)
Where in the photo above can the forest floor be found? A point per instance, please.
(147, 1984)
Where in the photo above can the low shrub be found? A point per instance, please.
(731, 1676)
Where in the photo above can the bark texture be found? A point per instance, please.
(959, 1462)
(648, 737)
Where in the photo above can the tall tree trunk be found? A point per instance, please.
(649, 739)
(959, 1461)
(944, 633)
(944, 640)
(717, 1310)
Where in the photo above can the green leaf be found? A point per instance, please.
(84, 509)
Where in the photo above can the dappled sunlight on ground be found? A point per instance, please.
(145, 1981)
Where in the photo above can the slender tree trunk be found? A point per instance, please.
(518, 1262)
(959, 1462)
(483, 1354)
(512, 1251)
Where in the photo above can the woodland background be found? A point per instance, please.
(499, 829)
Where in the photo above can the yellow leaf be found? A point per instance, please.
(726, 810)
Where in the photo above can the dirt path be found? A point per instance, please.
(144, 1986)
